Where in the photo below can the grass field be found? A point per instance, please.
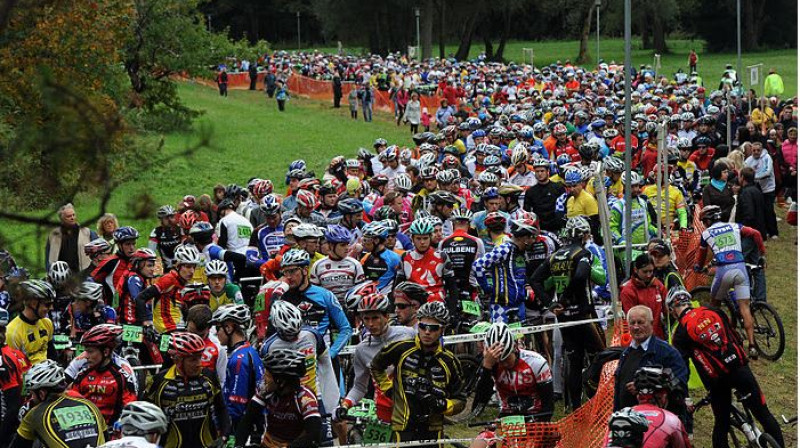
(251, 138)
(710, 66)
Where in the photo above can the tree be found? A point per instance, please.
(583, 50)
(426, 26)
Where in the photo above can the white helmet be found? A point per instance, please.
(46, 374)
(307, 230)
(59, 273)
(239, 314)
(142, 418)
(90, 291)
(286, 318)
(636, 179)
(186, 254)
(402, 182)
(520, 155)
(499, 332)
(216, 268)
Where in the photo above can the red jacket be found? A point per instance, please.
(653, 296)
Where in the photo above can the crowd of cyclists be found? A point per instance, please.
(266, 317)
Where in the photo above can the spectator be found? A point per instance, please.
(337, 90)
(270, 81)
(253, 72)
(366, 97)
(426, 119)
(282, 95)
(789, 150)
(761, 162)
(352, 100)
(413, 114)
(66, 242)
(718, 192)
(773, 84)
(646, 350)
(106, 226)
(222, 81)
(644, 289)
(750, 203)
(692, 61)
(401, 98)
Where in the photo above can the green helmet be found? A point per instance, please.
(421, 227)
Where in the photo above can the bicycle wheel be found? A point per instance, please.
(768, 332)
(738, 439)
(470, 366)
(767, 441)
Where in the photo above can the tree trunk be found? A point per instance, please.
(583, 51)
(426, 31)
(442, 22)
(752, 23)
(465, 43)
(498, 55)
(644, 25)
(659, 38)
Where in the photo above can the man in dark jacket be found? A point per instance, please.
(66, 241)
(253, 72)
(541, 198)
(337, 90)
(750, 203)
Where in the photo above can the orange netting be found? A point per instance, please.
(323, 90)
(685, 246)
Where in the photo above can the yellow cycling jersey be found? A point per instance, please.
(617, 189)
(231, 294)
(582, 205)
(29, 337)
(64, 420)
(676, 201)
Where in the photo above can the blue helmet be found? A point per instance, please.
(337, 234)
(479, 133)
(125, 233)
(297, 165)
(490, 193)
(375, 229)
(350, 206)
(597, 124)
(562, 159)
(572, 177)
(526, 133)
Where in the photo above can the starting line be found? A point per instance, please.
(411, 443)
(458, 339)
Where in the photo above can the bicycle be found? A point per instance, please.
(517, 431)
(743, 431)
(768, 333)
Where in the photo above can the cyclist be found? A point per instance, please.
(654, 386)
(13, 365)
(59, 276)
(677, 203)
(88, 309)
(705, 335)
(725, 241)
(408, 297)
(350, 215)
(57, 418)
(110, 271)
(244, 369)
(429, 267)
(104, 382)
(291, 334)
(427, 378)
(202, 235)
(292, 410)
(567, 273)
(31, 331)
(141, 273)
(541, 197)
(215, 356)
(337, 272)
(496, 224)
(643, 216)
(97, 250)
(373, 309)
(321, 310)
(222, 291)
(463, 249)
(190, 395)
(380, 263)
(165, 292)
(233, 230)
(521, 173)
(626, 429)
(492, 202)
(142, 423)
(501, 272)
(166, 237)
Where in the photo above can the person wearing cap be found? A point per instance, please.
(665, 269)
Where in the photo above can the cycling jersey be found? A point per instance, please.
(268, 240)
(479, 223)
(132, 285)
(362, 357)
(725, 241)
(582, 205)
(705, 335)
(642, 221)
(501, 275)
(541, 199)
(543, 246)
(64, 420)
(463, 249)
(13, 365)
(526, 388)
(80, 364)
(59, 314)
(665, 430)
(164, 241)
(233, 232)
(167, 314)
(109, 273)
(129, 442)
(677, 204)
(321, 311)
(215, 357)
(194, 406)
(566, 275)
(432, 270)
(381, 267)
(320, 377)
(244, 373)
(230, 294)
(337, 276)
(286, 414)
(417, 371)
(100, 314)
(109, 387)
(30, 337)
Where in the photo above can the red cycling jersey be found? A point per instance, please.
(665, 430)
(13, 367)
(167, 306)
(109, 387)
(429, 270)
(526, 379)
(286, 415)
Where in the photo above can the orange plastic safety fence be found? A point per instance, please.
(686, 246)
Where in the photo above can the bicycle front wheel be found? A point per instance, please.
(470, 366)
(770, 338)
(767, 441)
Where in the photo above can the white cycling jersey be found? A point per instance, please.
(129, 442)
(337, 276)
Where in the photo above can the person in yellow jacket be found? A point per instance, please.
(763, 114)
(773, 84)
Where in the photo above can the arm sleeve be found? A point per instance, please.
(455, 394)
(223, 420)
(683, 218)
(615, 224)
(749, 232)
(246, 423)
(339, 319)
(537, 280)
(310, 437)
(222, 235)
(598, 274)
(141, 300)
(222, 366)
(485, 386)
(360, 380)
(386, 357)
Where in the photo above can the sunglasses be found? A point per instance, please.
(402, 306)
(432, 328)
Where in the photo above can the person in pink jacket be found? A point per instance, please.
(789, 150)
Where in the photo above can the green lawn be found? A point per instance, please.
(710, 66)
(251, 138)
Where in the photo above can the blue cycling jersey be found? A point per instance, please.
(270, 240)
(321, 310)
(381, 268)
(725, 240)
(501, 275)
(245, 371)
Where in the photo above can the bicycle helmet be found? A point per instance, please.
(285, 362)
(687, 116)
(90, 291)
(195, 294)
(202, 232)
(490, 193)
(263, 188)
(357, 292)
(519, 155)
(216, 268)
(125, 233)
(614, 164)
(434, 310)
(96, 247)
(403, 183)
(495, 221)
(59, 273)
(446, 177)
(45, 375)
(428, 173)
(525, 224)
(702, 140)
(350, 206)
(38, 289)
(711, 213)
(541, 162)
(461, 214)
(286, 318)
(491, 161)
(379, 142)
(103, 335)
(352, 164)
(678, 295)
(577, 227)
(627, 428)
(236, 313)
(539, 127)
(187, 255)
(421, 227)
(141, 418)
(588, 151)
(647, 380)
(443, 197)
(636, 179)
(488, 178)
(385, 212)
(299, 164)
(188, 219)
(375, 229)
(295, 257)
(510, 191)
(499, 333)
(165, 211)
(306, 198)
(374, 302)
(184, 344)
(337, 234)
(143, 254)
(413, 291)
(572, 177)
(306, 230)
(651, 127)
(391, 153)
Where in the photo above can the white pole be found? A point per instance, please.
(419, 49)
(659, 174)
(597, 4)
(628, 149)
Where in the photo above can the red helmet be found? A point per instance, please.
(184, 344)
(495, 220)
(262, 188)
(353, 297)
(187, 219)
(103, 335)
(374, 302)
(306, 199)
(195, 294)
(559, 129)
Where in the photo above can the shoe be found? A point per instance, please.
(752, 353)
